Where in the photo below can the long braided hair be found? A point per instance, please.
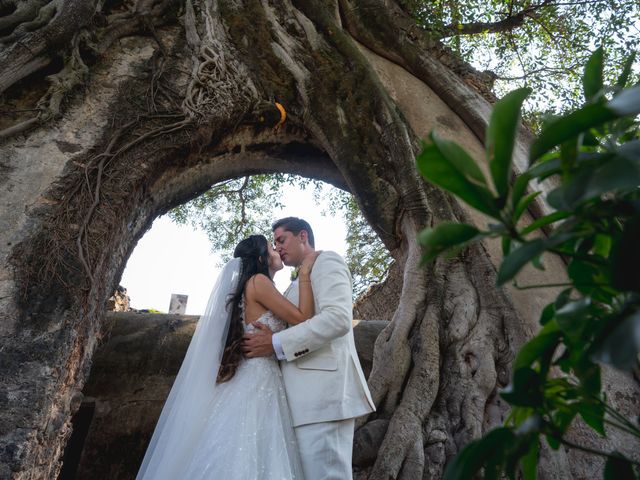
(254, 253)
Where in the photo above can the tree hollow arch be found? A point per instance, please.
(166, 100)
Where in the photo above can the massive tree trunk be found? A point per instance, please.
(121, 110)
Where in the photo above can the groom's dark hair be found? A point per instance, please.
(295, 225)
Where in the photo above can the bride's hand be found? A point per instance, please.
(307, 263)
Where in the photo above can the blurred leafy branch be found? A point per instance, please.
(593, 155)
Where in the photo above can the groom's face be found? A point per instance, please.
(290, 247)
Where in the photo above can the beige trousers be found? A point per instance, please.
(325, 449)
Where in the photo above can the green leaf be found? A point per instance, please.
(563, 417)
(568, 194)
(458, 157)
(626, 71)
(618, 174)
(437, 169)
(519, 189)
(598, 174)
(537, 263)
(589, 139)
(583, 275)
(525, 390)
(602, 245)
(478, 452)
(592, 79)
(630, 150)
(501, 138)
(547, 166)
(569, 153)
(589, 375)
(523, 204)
(506, 243)
(547, 314)
(572, 317)
(518, 258)
(618, 468)
(538, 347)
(553, 442)
(443, 237)
(563, 298)
(621, 347)
(593, 415)
(569, 126)
(544, 221)
(530, 461)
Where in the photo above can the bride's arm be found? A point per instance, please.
(262, 290)
(305, 292)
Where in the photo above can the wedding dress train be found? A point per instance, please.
(248, 434)
(237, 430)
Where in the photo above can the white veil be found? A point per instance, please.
(180, 424)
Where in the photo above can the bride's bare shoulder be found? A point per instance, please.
(257, 284)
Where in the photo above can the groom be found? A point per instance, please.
(325, 385)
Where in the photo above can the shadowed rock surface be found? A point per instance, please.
(131, 376)
(380, 300)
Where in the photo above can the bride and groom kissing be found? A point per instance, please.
(271, 384)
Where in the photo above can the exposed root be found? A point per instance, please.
(392, 352)
(45, 13)
(103, 159)
(31, 50)
(220, 85)
(62, 83)
(38, 26)
(25, 11)
(18, 128)
(403, 445)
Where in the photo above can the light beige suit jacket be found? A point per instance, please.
(322, 374)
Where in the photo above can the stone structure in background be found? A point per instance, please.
(131, 376)
(178, 304)
(380, 300)
(119, 301)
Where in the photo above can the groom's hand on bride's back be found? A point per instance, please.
(258, 343)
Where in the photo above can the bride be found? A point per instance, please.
(227, 417)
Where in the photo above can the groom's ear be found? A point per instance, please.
(304, 236)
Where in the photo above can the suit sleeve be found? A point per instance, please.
(331, 283)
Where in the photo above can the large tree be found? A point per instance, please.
(121, 111)
(541, 45)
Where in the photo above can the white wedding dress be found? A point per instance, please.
(237, 430)
(248, 435)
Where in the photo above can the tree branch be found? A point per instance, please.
(33, 50)
(511, 22)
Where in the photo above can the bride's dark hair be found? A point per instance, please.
(254, 253)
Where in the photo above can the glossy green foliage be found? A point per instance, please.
(593, 155)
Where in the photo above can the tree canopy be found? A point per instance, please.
(537, 44)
